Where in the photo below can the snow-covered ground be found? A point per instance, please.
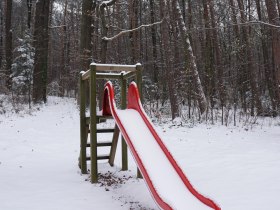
(235, 166)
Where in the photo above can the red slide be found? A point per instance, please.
(166, 181)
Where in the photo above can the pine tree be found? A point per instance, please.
(22, 67)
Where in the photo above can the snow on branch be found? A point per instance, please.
(60, 26)
(131, 30)
(253, 22)
(260, 22)
(107, 3)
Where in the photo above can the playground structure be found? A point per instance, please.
(88, 124)
(166, 181)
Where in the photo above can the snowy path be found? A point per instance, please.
(38, 165)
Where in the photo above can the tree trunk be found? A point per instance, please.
(256, 102)
(1, 33)
(85, 39)
(134, 36)
(189, 56)
(208, 56)
(29, 9)
(63, 73)
(104, 28)
(268, 71)
(8, 42)
(167, 58)
(218, 55)
(274, 19)
(41, 38)
(154, 43)
(278, 7)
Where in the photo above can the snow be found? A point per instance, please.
(238, 167)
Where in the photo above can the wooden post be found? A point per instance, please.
(83, 132)
(139, 85)
(123, 106)
(93, 135)
(114, 146)
(139, 79)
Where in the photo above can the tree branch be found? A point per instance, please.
(131, 30)
(253, 22)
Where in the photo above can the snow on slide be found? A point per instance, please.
(165, 179)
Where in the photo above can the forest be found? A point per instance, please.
(207, 59)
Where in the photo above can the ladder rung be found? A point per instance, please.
(104, 117)
(102, 144)
(101, 157)
(99, 119)
(105, 130)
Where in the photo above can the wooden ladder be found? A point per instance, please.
(112, 143)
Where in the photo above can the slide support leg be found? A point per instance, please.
(83, 131)
(93, 135)
(123, 106)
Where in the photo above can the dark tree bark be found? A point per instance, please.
(268, 69)
(41, 39)
(104, 29)
(8, 41)
(256, 102)
(167, 58)
(29, 9)
(218, 55)
(63, 65)
(238, 69)
(85, 38)
(134, 35)
(1, 33)
(208, 56)
(154, 42)
(278, 7)
(274, 19)
(184, 9)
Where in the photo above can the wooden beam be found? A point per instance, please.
(129, 75)
(108, 76)
(113, 67)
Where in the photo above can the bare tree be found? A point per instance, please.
(256, 102)
(29, 12)
(166, 49)
(154, 43)
(104, 28)
(8, 41)
(1, 33)
(191, 58)
(41, 37)
(275, 20)
(85, 37)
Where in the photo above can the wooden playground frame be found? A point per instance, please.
(88, 124)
